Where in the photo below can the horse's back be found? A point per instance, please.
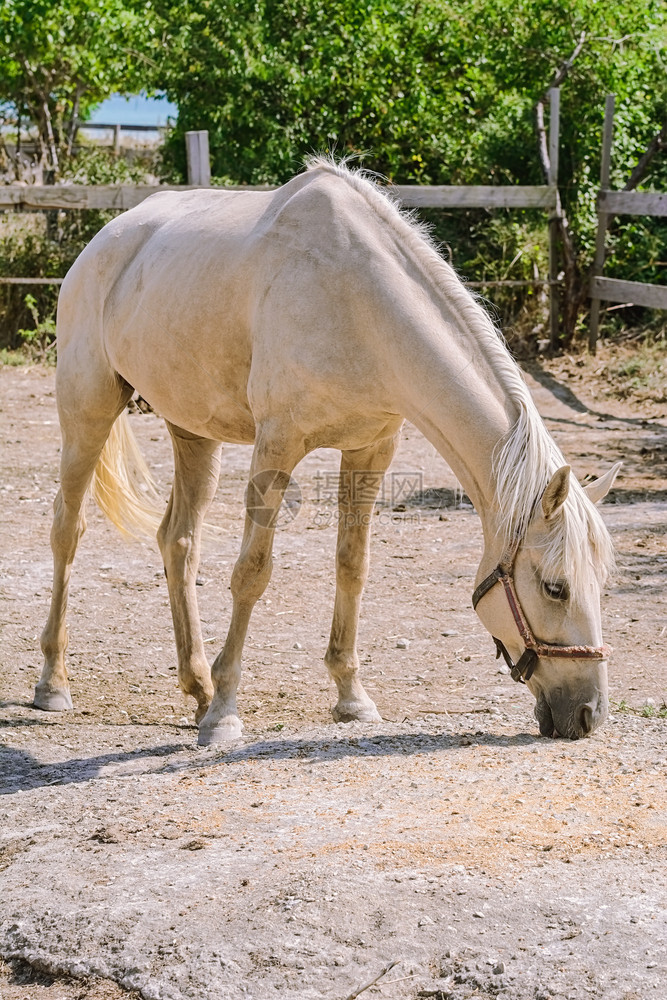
(198, 283)
(198, 236)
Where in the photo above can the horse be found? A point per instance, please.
(314, 315)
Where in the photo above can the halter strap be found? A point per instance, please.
(485, 586)
(523, 669)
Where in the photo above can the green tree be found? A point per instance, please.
(58, 59)
(453, 85)
(619, 49)
(429, 91)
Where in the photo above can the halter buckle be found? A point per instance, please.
(522, 670)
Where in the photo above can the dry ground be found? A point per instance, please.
(485, 861)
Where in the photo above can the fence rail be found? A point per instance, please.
(637, 292)
(79, 196)
(6, 280)
(633, 203)
(108, 127)
(482, 196)
(612, 203)
(124, 196)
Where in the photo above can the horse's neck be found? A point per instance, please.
(466, 437)
(465, 408)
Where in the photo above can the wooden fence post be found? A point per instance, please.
(554, 219)
(603, 218)
(199, 166)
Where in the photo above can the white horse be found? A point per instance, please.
(314, 315)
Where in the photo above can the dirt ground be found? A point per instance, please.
(307, 857)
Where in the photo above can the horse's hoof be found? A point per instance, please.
(53, 701)
(227, 729)
(356, 712)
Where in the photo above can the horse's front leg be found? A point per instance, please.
(270, 471)
(361, 475)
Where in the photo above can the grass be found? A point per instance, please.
(642, 371)
(15, 358)
(646, 711)
(634, 370)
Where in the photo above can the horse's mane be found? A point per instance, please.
(526, 459)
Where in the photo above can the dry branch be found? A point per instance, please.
(657, 144)
(558, 77)
(367, 986)
(575, 293)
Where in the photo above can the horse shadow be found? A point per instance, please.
(565, 395)
(21, 771)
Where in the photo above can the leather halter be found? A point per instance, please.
(523, 669)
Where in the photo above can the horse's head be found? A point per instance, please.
(541, 604)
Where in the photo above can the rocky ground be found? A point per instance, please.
(307, 857)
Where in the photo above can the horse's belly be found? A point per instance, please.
(193, 374)
(229, 421)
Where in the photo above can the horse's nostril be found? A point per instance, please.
(586, 719)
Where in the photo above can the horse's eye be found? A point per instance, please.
(556, 591)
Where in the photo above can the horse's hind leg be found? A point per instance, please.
(361, 475)
(88, 409)
(196, 472)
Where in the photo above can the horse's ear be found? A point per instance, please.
(556, 492)
(598, 489)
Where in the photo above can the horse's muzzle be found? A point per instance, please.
(571, 719)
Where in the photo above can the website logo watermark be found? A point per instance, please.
(274, 499)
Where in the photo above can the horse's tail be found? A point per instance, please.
(123, 486)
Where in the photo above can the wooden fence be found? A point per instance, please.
(117, 130)
(124, 196)
(611, 203)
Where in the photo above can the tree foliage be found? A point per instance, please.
(432, 91)
(59, 59)
(426, 91)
